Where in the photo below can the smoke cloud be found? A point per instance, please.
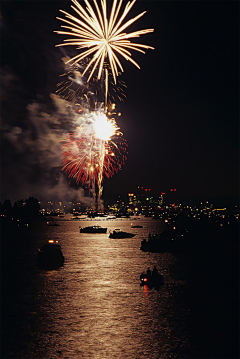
(30, 146)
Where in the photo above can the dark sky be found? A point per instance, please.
(180, 117)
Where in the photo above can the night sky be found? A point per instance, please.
(180, 117)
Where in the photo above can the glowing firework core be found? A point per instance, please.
(96, 148)
(104, 128)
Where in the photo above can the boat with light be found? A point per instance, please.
(118, 233)
(137, 226)
(50, 255)
(151, 280)
(93, 229)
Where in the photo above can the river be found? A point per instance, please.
(94, 307)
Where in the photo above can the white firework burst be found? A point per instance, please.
(102, 37)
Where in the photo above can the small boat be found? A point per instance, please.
(50, 255)
(117, 233)
(52, 224)
(152, 280)
(110, 217)
(165, 242)
(137, 226)
(93, 229)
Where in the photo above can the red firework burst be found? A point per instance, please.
(84, 158)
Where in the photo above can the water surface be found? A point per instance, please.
(94, 307)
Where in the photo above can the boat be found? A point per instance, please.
(93, 229)
(52, 224)
(164, 242)
(118, 233)
(152, 280)
(50, 255)
(75, 218)
(110, 217)
(137, 226)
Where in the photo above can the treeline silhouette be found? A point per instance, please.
(21, 209)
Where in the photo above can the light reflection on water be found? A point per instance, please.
(94, 307)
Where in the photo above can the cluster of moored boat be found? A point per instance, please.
(116, 233)
(151, 279)
(50, 255)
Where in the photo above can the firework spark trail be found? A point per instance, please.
(101, 164)
(103, 37)
(73, 86)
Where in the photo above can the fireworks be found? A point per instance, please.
(73, 85)
(103, 37)
(95, 149)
